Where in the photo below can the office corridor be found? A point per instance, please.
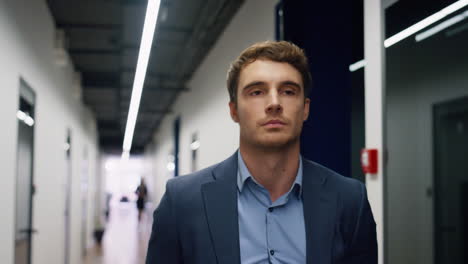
(98, 95)
(125, 240)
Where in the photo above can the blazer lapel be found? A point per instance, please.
(320, 207)
(220, 198)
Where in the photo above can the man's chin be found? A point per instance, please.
(270, 141)
(275, 143)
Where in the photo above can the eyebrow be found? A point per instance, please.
(256, 83)
(298, 86)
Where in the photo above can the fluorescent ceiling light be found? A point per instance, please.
(66, 146)
(171, 166)
(195, 145)
(29, 121)
(25, 117)
(447, 23)
(151, 17)
(425, 22)
(456, 30)
(125, 155)
(419, 26)
(357, 65)
(21, 115)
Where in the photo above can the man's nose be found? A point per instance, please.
(274, 105)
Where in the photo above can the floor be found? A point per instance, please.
(125, 240)
(21, 252)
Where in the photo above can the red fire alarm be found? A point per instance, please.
(369, 161)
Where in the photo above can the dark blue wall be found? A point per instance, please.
(330, 34)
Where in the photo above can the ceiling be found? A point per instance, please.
(103, 37)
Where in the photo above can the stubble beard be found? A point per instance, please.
(270, 143)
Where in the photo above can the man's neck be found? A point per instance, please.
(274, 169)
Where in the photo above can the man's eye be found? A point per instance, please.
(289, 92)
(256, 92)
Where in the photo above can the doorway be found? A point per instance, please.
(24, 175)
(176, 145)
(451, 181)
(84, 202)
(67, 186)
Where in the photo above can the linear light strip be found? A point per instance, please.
(25, 117)
(149, 26)
(357, 65)
(125, 155)
(434, 30)
(425, 22)
(417, 27)
(21, 115)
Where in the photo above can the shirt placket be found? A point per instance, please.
(263, 197)
(270, 226)
(270, 250)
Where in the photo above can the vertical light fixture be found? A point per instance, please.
(149, 27)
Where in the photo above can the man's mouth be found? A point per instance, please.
(274, 123)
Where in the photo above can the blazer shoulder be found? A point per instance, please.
(349, 188)
(189, 183)
(355, 225)
(351, 193)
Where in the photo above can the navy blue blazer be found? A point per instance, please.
(197, 222)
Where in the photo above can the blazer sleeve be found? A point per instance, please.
(164, 246)
(364, 243)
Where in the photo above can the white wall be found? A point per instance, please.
(205, 108)
(26, 45)
(419, 75)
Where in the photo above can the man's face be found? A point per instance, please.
(270, 105)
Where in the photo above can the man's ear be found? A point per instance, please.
(233, 111)
(306, 108)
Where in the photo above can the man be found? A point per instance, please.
(265, 204)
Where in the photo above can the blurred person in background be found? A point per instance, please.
(142, 194)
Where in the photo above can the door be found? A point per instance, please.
(451, 181)
(176, 145)
(24, 175)
(84, 202)
(67, 185)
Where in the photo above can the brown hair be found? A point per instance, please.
(278, 51)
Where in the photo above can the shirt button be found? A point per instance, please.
(270, 209)
(272, 252)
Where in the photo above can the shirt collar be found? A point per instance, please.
(243, 174)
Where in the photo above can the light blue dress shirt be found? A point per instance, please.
(270, 232)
